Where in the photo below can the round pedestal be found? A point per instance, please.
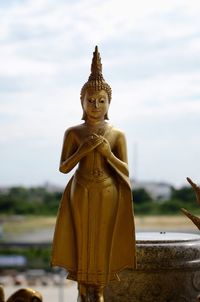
(168, 270)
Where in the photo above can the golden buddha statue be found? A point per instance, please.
(94, 235)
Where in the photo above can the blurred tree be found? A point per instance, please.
(184, 194)
(140, 196)
(19, 200)
(40, 201)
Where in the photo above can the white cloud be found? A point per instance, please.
(150, 53)
(18, 67)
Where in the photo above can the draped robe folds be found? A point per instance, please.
(94, 236)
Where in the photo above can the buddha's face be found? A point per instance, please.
(95, 104)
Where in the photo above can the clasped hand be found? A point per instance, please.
(104, 148)
(97, 142)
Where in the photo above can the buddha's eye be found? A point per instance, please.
(102, 101)
(90, 100)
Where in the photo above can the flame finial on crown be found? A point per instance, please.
(96, 67)
(96, 79)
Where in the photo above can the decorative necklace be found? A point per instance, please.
(97, 129)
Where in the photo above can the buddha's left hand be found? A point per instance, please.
(104, 148)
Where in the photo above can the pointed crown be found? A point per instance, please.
(96, 79)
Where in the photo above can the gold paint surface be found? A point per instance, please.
(94, 236)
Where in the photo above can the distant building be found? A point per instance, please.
(159, 191)
(51, 188)
(4, 190)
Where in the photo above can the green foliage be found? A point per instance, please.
(140, 196)
(185, 194)
(37, 257)
(170, 207)
(180, 198)
(38, 201)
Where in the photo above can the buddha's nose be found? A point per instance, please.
(96, 104)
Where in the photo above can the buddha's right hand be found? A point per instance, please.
(90, 143)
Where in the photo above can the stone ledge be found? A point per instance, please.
(168, 270)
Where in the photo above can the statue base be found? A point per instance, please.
(168, 270)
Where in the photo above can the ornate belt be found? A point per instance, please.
(93, 175)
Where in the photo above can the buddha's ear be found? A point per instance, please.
(106, 116)
(84, 116)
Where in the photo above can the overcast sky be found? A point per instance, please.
(150, 52)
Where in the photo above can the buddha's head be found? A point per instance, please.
(96, 91)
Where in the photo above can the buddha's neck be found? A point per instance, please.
(96, 123)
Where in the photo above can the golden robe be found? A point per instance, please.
(94, 236)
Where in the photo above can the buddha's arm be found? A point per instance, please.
(118, 158)
(69, 155)
(118, 164)
(68, 164)
(72, 153)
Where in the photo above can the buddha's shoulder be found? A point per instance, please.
(74, 130)
(117, 132)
